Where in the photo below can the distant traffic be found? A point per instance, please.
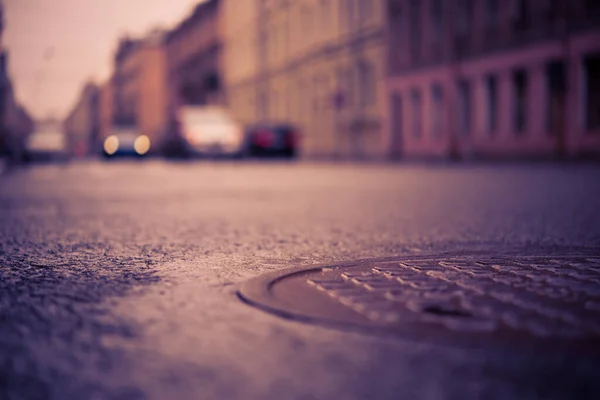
(194, 132)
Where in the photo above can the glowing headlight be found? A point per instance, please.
(111, 145)
(141, 144)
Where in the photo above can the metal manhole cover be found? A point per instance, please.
(458, 298)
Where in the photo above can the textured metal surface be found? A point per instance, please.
(457, 298)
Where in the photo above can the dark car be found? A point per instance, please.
(272, 140)
(45, 145)
(126, 141)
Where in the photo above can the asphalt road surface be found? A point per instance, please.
(119, 280)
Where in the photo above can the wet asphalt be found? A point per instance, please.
(119, 280)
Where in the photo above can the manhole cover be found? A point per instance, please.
(457, 298)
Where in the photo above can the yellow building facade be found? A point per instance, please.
(138, 91)
(319, 64)
(194, 54)
(239, 31)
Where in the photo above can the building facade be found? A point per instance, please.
(138, 87)
(194, 53)
(82, 125)
(493, 78)
(239, 30)
(105, 111)
(323, 70)
(15, 122)
(318, 64)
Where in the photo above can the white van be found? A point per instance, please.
(209, 130)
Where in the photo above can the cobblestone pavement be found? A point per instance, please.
(120, 280)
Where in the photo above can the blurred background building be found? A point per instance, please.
(139, 87)
(241, 58)
(15, 122)
(194, 54)
(105, 111)
(494, 78)
(82, 125)
(374, 79)
(321, 67)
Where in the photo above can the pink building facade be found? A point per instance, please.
(494, 78)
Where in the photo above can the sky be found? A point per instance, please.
(56, 46)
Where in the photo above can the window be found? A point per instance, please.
(415, 97)
(464, 107)
(274, 105)
(365, 9)
(367, 84)
(305, 99)
(286, 106)
(552, 8)
(555, 97)
(319, 93)
(437, 99)
(491, 12)
(342, 15)
(396, 123)
(415, 28)
(345, 88)
(285, 40)
(325, 16)
(491, 94)
(347, 14)
(316, 94)
(268, 44)
(263, 105)
(465, 10)
(592, 7)
(437, 15)
(276, 32)
(520, 84)
(395, 9)
(299, 100)
(592, 90)
(307, 24)
(351, 13)
(522, 14)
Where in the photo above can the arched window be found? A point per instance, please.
(437, 109)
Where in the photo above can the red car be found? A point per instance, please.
(272, 140)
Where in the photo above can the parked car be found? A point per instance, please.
(46, 144)
(204, 131)
(126, 141)
(276, 139)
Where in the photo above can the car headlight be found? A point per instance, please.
(141, 145)
(111, 145)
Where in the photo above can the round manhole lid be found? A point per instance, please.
(466, 299)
